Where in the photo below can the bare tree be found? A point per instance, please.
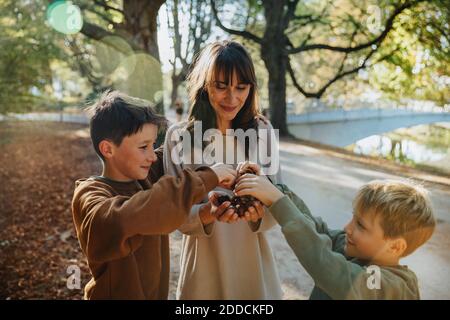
(185, 45)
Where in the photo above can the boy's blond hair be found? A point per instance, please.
(405, 210)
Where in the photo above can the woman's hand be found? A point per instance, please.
(205, 214)
(226, 174)
(219, 212)
(243, 166)
(259, 187)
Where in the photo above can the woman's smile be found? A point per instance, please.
(228, 108)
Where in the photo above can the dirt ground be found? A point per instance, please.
(39, 163)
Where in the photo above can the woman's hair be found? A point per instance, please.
(221, 57)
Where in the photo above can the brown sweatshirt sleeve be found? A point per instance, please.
(109, 227)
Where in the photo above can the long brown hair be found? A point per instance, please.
(221, 57)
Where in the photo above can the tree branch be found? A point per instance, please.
(339, 74)
(290, 13)
(387, 28)
(101, 15)
(84, 65)
(302, 17)
(176, 29)
(243, 33)
(441, 31)
(108, 7)
(97, 33)
(295, 83)
(308, 37)
(297, 25)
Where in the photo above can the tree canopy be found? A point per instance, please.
(303, 48)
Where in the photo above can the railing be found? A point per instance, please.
(359, 114)
(412, 105)
(47, 116)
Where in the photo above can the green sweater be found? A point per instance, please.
(321, 252)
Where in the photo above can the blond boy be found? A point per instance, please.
(391, 219)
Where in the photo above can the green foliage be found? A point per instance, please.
(28, 46)
(413, 61)
(420, 67)
(415, 64)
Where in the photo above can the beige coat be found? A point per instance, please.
(221, 260)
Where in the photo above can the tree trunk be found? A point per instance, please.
(177, 80)
(174, 94)
(276, 66)
(275, 60)
(141, 24)
(141, 28)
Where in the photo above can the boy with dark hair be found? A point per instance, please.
(123, 217)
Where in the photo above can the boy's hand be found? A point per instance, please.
(259, 187)
(243, 166)
(226, 174)
(222, 212)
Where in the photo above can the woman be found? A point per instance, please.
(223, 256)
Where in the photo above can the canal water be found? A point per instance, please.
(419, 146)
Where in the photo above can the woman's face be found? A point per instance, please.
(227, 99)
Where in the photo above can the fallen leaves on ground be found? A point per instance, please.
(39, 163)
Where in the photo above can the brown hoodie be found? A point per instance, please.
(122, 228)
